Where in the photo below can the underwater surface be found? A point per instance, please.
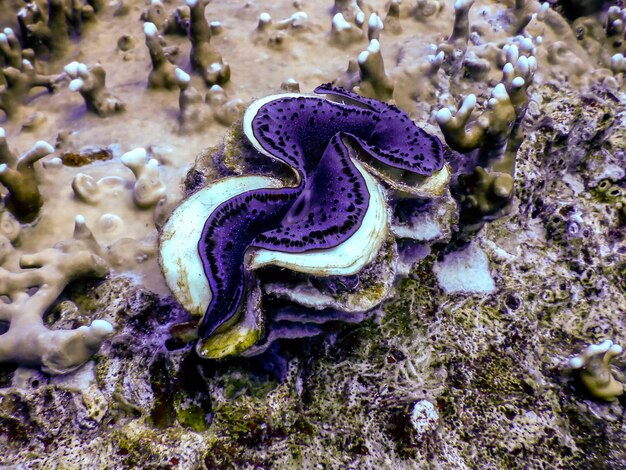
(303, 234)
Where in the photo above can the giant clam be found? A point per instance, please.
(331, 221)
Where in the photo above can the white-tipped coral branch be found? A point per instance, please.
(28, 342)
(194, 113)
(90, 83)
(375, 26)
(225, 111)
(149, 188)
(350, 10)
(19, 82)
(163, 73)
(343, 33)
(456, 45)
(204, 58)
(11, 49)
(374, 81)
(24, 199)
(594, 371)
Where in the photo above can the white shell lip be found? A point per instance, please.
(253, 110)
(178, 254)
(183, 268)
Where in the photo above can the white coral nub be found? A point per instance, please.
(593, 366)
(149, 188)
(150, 29)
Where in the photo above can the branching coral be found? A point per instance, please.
(19, 82)
(163, 74)
(492, 139)
(90, 83)
(11, 49)
(204, 58)
(342, 32)
(196, 111)
(27, 341)
(374, 81)
(24, 199)
(593, 368)
(274, 34)
(49, 29)
(149, 188)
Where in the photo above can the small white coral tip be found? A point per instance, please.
(499, 92)
(339, 22)
(182, 76)
(443, 116)
(43, 146)
(71, 69)
(468, 103)
(76, 84)
(518, 82)
(576, 362)
(150, 29)
(374, 46)
(2, 133)
(82, 69)
(80, 220)
(101, 328)
(375, 21)
(134, 156)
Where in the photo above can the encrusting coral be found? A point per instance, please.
(28, 341)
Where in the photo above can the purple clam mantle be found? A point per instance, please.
(312, 135)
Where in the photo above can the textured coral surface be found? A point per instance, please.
(448, 373)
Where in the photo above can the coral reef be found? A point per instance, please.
(475, 338)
